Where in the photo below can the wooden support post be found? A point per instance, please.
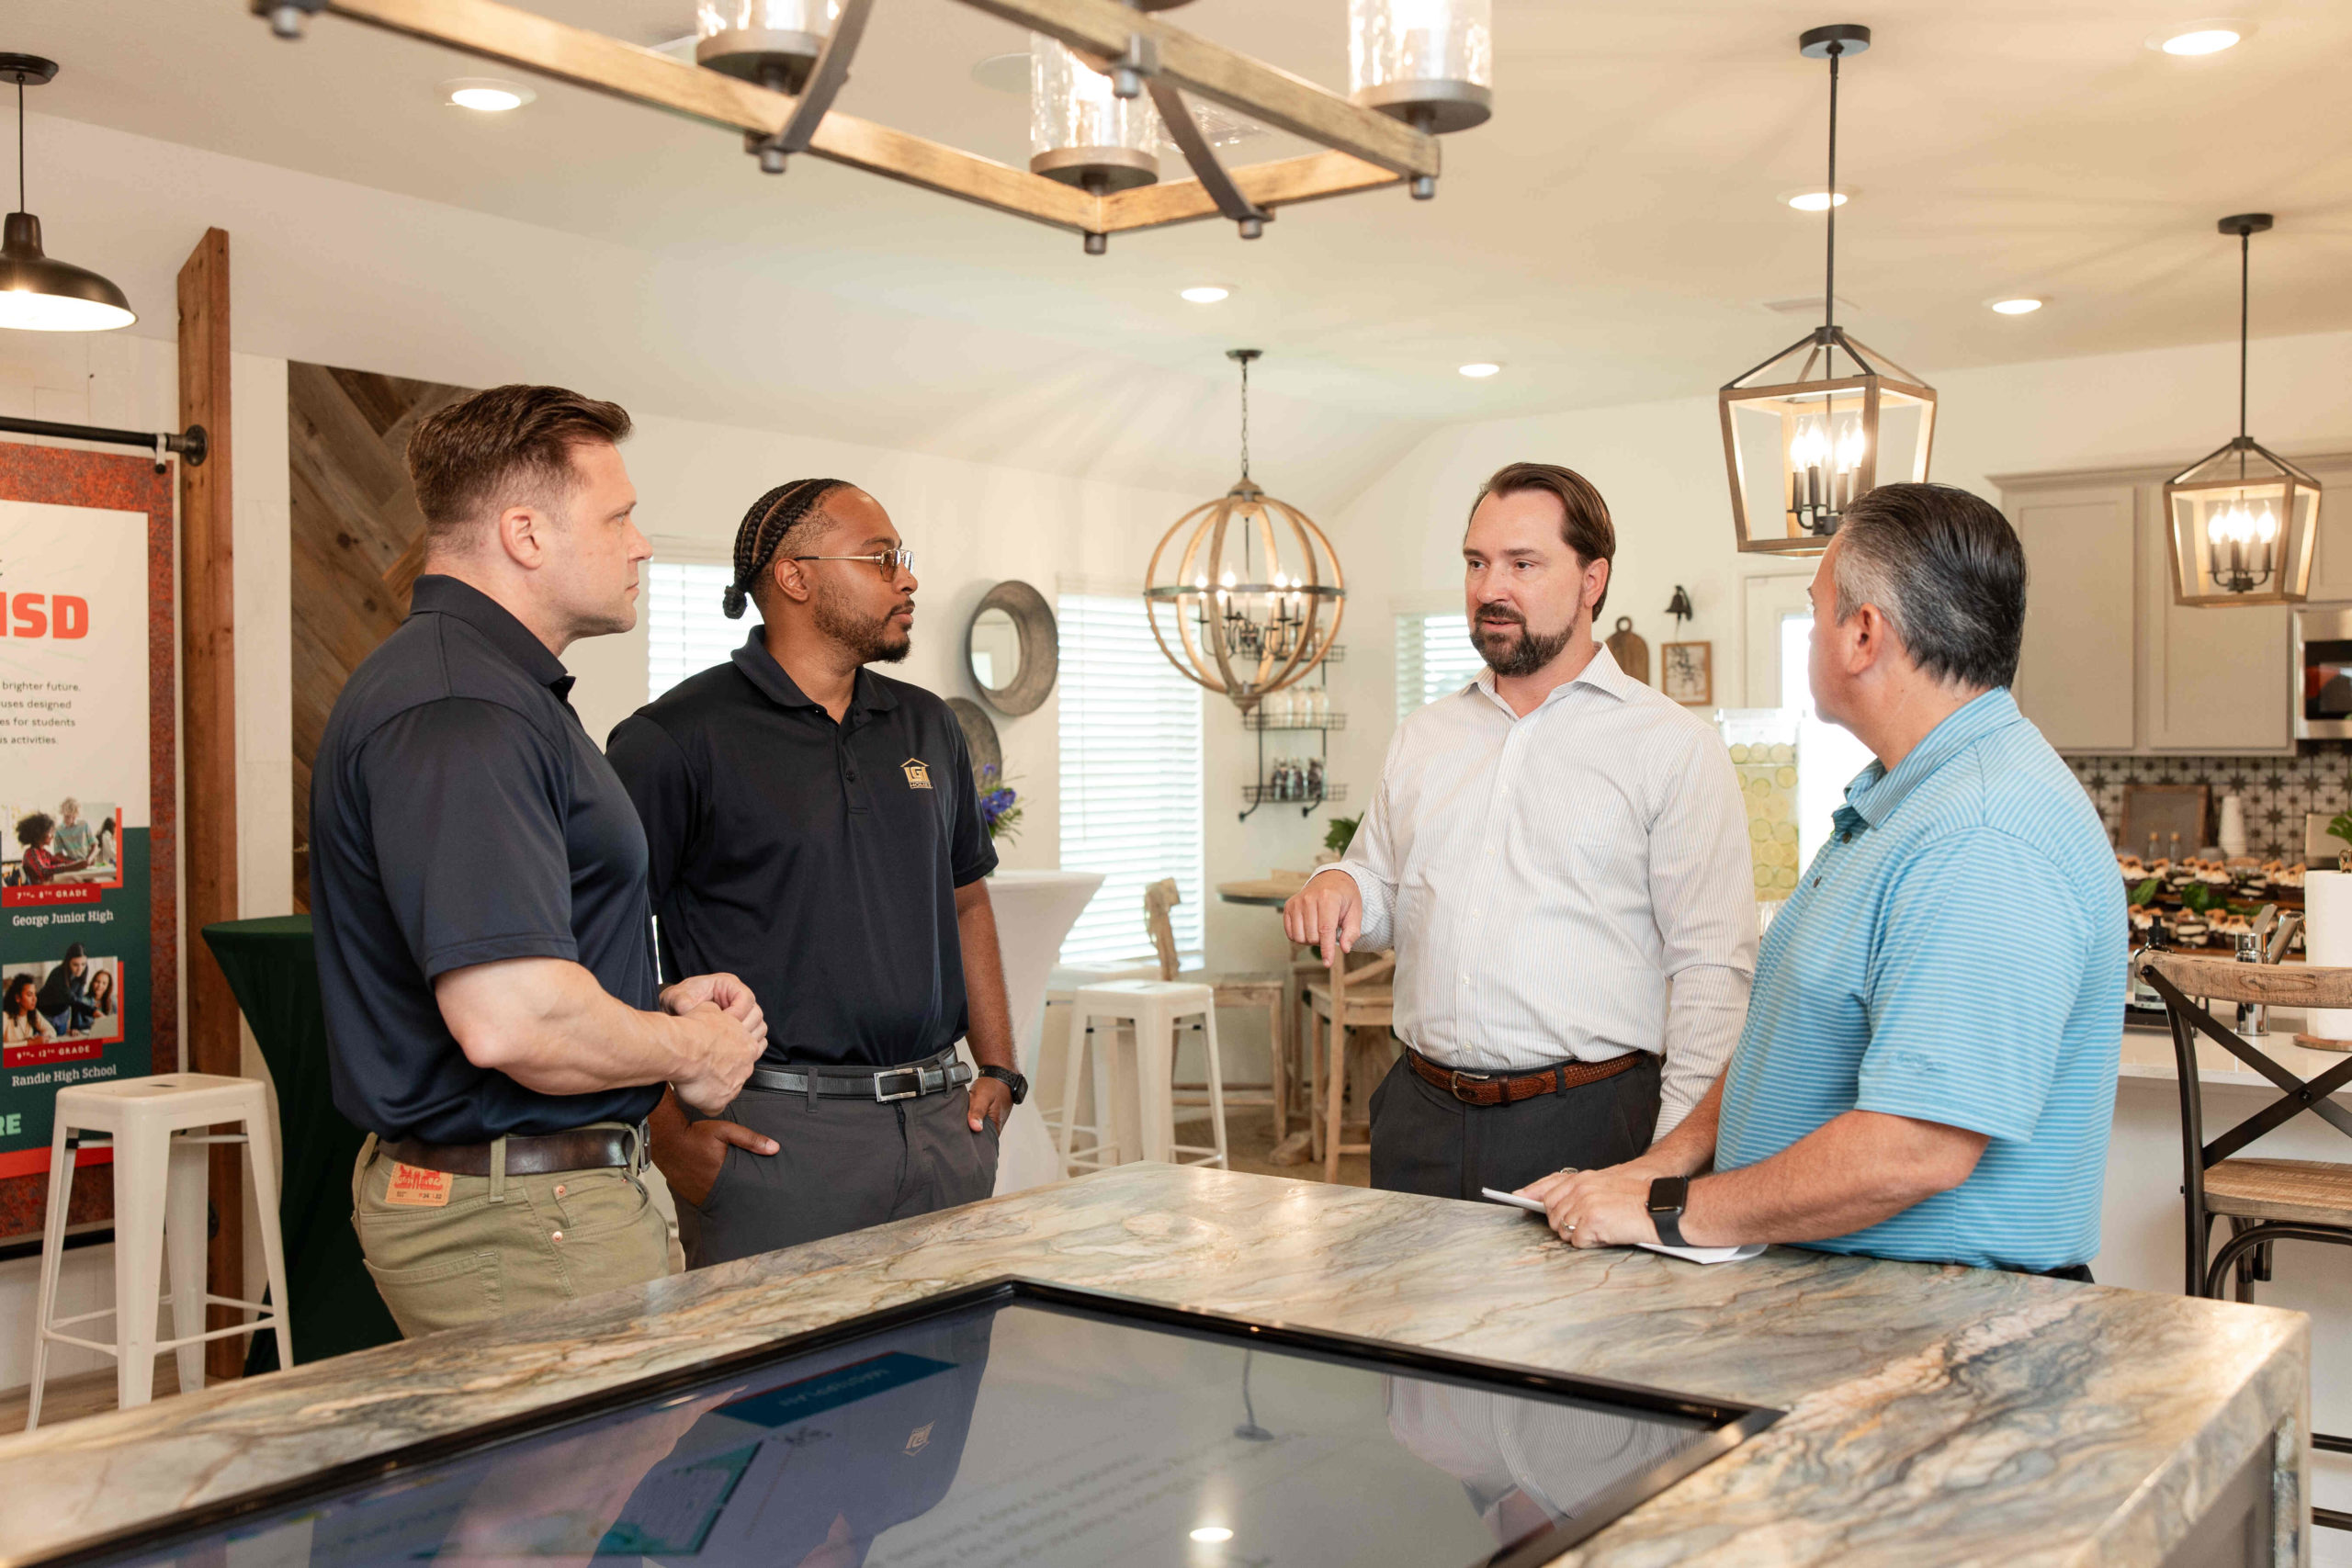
(208, 745)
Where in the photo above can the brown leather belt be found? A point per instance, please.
(542, 1153)
(1509, 1089)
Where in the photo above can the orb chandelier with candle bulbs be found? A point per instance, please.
(1803, 433)
(1245, 593)
(2243, 519)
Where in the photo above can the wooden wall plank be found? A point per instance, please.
(356, 528)
(209, 742)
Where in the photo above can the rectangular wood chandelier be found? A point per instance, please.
(1368, 147)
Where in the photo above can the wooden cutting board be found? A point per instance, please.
(1631, 654)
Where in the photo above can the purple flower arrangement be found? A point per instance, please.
(999, 806)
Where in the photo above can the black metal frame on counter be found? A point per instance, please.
(1734, 1423)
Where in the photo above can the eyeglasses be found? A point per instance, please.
(890, 562)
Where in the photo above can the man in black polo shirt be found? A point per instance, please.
(478, 887)
(814, 827)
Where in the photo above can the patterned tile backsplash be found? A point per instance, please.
(2275, 791)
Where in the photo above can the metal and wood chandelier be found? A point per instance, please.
(771, 69)
(1248, 585)
(1801, 440)
(2243, 517)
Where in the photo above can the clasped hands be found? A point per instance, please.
(1598, 1208)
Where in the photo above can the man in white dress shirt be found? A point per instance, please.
(1559, 856)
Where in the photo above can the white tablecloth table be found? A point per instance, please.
(1034, 909)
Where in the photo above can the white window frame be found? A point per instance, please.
(685, 631)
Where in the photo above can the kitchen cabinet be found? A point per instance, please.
(2076, 674)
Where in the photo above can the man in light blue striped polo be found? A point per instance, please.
(1902, 1088)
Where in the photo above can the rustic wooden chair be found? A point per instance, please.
(2265, 1200)
(1349, 998)
(1264, 990)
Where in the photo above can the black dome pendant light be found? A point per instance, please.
(37, 294)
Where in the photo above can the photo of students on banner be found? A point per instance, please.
(59, 1011)
(64, 843)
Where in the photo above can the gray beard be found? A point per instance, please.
(1512, 658)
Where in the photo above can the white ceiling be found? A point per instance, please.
(1610, 236)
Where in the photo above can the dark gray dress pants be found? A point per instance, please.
(1425, 1141)
(844, 1165)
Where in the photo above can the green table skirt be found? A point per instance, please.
(333, 1304)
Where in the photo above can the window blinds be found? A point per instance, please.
(1130, 778)
(1434, 659)
(685, 631)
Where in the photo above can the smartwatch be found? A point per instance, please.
(1009, 1079)
(1667, 1195)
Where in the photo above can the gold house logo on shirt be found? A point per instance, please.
(920, 1438)
(918, 773)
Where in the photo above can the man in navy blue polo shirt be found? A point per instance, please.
(814, 827)
(1896, 1091)
(478, 885)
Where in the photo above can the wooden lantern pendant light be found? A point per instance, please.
(1801, 439)
(1248, 585)
(2243, 519)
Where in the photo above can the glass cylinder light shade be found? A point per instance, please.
(1800, 451)
(2243, 521)
(773, 42)
(1429, 63)
(1080, 132)
(1244, 594)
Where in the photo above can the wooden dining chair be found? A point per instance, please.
(1256, 990)
(2265, 1200)
(1359, 993)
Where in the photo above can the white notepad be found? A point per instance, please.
(1687, 1254)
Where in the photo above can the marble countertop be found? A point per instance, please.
(1936, 1415)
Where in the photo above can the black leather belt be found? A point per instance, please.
(542, 1153)
(935, 1076)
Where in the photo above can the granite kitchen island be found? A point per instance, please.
(1933, 1415)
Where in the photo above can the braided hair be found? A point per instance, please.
(764, 526)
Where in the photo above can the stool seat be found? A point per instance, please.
(2306, 1191)
(176, 1099)
(159, 1130)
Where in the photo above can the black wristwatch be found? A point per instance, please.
(1009, 1079)
(1667, 1195)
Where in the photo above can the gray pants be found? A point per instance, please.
(844, 1165)
(1425, 1141)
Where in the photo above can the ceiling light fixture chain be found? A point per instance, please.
(1829, 217)
(1242, 357)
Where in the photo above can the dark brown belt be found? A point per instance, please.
(541, 1153)
(1509, 1089)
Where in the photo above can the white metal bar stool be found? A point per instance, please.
(1136, 1088)
(160, 1128)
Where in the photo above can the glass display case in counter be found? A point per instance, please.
(1008, 1423)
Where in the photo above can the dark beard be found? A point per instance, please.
(1512, 658)
(871, 638)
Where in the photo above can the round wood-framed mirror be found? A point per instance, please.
(1012, 649)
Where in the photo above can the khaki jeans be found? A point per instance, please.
(505, 1244)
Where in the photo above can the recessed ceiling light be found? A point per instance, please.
(2023, 305)
(1813, 199)
(2211, 36)
(485, 94)
(1210, 1534)
(1481, 370)
(1004, 72)
(1207, 294)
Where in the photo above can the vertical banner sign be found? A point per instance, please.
(87, 991)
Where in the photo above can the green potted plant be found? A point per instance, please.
(1337, 834)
